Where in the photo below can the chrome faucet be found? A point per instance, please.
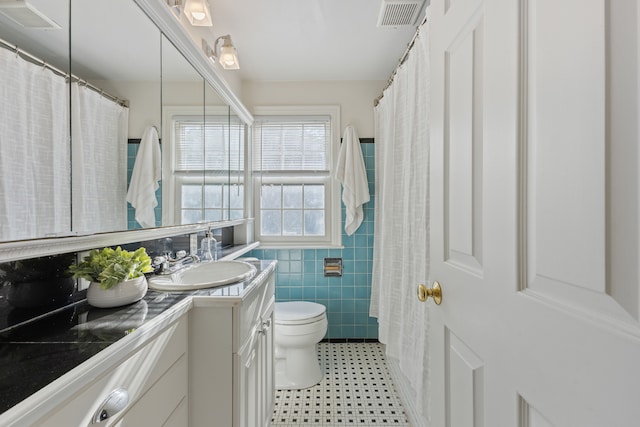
(167, 265)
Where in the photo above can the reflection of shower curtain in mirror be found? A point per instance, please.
(34, 150)
(99, 130)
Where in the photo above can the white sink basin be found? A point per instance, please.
(206, 275)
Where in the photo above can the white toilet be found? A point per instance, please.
(299, 326)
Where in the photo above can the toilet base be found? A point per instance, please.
(297, 368)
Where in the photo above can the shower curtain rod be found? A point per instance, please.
(403, 58)
(37, 61)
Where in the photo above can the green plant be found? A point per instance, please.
(112, 266)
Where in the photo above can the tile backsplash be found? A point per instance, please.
(33, 287)
(300, 274)
(36, 286)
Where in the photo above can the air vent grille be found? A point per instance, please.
(22, 13)
(397, 13)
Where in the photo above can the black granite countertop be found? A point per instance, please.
(36, 353)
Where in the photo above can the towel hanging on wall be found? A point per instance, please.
(352, 174)
(147, 171)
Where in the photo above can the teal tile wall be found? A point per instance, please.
(299, 274)
(132, 224)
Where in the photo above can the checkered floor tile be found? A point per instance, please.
(356, 389)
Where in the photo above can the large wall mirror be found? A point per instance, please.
(120, 54)
(183, 109)
(128, 79)
(35, 183)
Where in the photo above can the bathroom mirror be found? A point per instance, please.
(217, 137)
(237, 141)
(120, 55)
(124, 55)
(183, 136)
(35, 175)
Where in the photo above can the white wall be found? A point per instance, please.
(144, 103)
(144, 100)
(354, 97)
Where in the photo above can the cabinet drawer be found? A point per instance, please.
(137, 375)
(165, 400)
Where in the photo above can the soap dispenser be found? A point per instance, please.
(205, 248)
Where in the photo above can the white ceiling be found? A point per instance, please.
(311, 40)
(277, 40)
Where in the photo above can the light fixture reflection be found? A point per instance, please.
(198, 13)
(175, 6)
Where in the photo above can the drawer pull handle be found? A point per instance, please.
(266, 325)
(115, 402)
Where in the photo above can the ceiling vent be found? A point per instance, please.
(398, 13)
(22, 13)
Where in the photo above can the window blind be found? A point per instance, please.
(292, 144)
(214, 143)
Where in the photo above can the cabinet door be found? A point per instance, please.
(267, 366)
(257, 384)
(249, 382)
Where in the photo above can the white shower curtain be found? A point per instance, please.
(99, 148)
(36, 200)
(401, 241)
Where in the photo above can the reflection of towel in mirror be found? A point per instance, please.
(144, 179)
(352, 174)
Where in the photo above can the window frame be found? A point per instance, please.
(172, 180)
(333, 235)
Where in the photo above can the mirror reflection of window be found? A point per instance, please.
(217, 198)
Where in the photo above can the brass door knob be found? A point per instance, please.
(435, 292)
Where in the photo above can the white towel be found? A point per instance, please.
(352, 174)
(147, 171)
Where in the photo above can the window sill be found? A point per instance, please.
(299, 246)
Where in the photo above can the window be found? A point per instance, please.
(296, 197)
(207, 168)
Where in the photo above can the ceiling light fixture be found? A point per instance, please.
(198, 13)
(227, 56)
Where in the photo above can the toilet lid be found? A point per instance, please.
(298, 311)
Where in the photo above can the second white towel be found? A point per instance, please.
(352, 174)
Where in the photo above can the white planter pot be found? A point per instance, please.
(123, 293)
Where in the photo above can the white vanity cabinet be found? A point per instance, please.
(206, 361)
(150, 367)
(231, 358)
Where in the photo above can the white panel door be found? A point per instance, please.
(535, 213)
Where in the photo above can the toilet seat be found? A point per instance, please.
(298, 312)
